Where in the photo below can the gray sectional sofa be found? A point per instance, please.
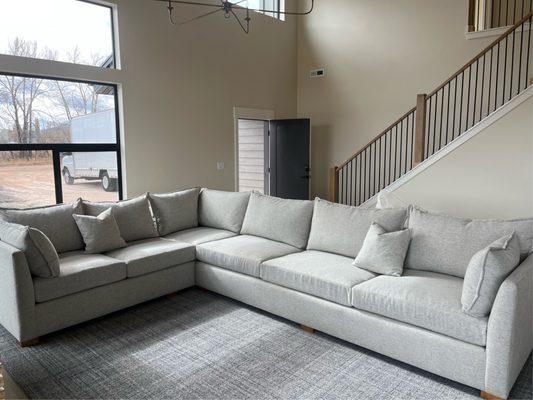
(293, 259)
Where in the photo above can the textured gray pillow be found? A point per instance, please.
(175, 211)
(133, 216)
(383, 252)
(55, 222)
(286, 221)
(486, 271)
(100, 233)
(222, 210)
(41, 255)
(445, 244)
(341, 229)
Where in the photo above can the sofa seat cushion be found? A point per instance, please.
(320, 274)
(79, 271)
(150, 255)
(425, 299)
(199, 235)
(243, 253)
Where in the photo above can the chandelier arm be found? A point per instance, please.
(278, 12)
(245, 29)
(192, 3)
(201, 16)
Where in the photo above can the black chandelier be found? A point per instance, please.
(229, 10)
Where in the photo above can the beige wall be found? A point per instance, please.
(179, 86)
(490, 176)
(377, 55)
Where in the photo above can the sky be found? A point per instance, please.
(60, 25)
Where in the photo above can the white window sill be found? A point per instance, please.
(492, 32)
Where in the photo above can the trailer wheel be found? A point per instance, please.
(108, 184)
(69, 180)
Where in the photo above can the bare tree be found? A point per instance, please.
(18, 95)
(77, 98)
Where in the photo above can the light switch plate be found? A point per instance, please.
(220, 166)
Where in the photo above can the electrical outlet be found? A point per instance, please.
(220, 166)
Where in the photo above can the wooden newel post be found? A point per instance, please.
(333, 185)
(420, 130)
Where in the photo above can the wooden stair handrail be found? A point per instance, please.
(377, 137)
(468, 64)
(483, 52)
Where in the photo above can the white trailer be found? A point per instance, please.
(92, 128)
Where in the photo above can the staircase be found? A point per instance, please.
(490, 80)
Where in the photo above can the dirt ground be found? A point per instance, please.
(32, 185)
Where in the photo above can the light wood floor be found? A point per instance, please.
(13, 391)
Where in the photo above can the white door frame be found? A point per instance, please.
(246, 113)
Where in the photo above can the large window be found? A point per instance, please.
(275, 5)
(59, 140)
(75, 31)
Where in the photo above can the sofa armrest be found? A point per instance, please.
(510, 330)
(17, 298)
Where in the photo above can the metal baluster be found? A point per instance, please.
(429, 100)
(496, 80)
(523, 26)
(482, 87)
(504, 71)
(529, 43)
(490, 82)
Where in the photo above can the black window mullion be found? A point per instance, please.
(57, 176)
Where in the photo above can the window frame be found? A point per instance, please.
(58, 148)
(112, 15)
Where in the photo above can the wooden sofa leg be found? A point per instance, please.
(30, 343)
(307, 329)
(488, 396)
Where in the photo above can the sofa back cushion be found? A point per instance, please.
(133, 216)
(175, 211)
(342, 229)
(445, 244)
(55, 222)
(286, 221)
(40, 253)
(222, 210)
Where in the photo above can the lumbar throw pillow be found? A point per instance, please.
(100, 233)
(383, 252)
(486, 271)
(40, 253)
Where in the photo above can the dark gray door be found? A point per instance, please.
(290, 171)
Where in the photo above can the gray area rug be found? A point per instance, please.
(199, 345)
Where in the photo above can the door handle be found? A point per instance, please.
(305, 177)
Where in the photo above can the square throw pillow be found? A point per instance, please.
(383, 252)
(175, 211)
(54, 221)
(486, 271)
(133, 216)
(40, 253)
(100, 233)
